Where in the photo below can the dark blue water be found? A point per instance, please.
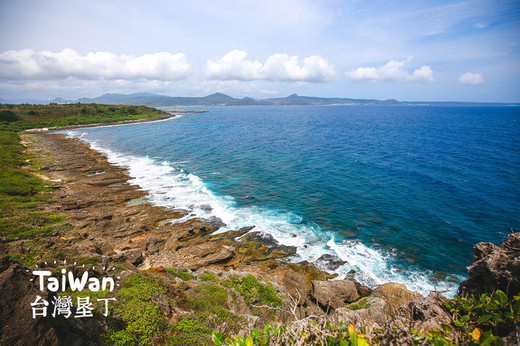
(419, 184)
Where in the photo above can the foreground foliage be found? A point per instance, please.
(476, 321)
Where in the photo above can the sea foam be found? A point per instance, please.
(172, 187)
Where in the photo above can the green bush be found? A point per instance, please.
(9, 116)
(144, 323)
(253, 291)
(185, 276)
(207, 276)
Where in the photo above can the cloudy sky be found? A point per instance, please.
(407, 50)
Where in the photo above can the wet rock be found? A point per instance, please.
(269, 241)
(329, 262)
(334, 294)
(495, 267)
(395, 296)
(215, 222)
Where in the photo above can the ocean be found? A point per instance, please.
(402, 194)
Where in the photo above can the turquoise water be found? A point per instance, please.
(401, 193)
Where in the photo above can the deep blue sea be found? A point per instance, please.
(400, 193)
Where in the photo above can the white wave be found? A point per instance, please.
(174, 188)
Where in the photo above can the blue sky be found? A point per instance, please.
(406, 50)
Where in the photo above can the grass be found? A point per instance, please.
(22, 117)
(22, 195)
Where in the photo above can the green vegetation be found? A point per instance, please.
(207, 276)
(140, 313)
(22, 117)
(179, 274)
(482, 321)
(9, 116)
(138, 321)
(21, 194)
(362, 304)
(253, 291)
(326, 333)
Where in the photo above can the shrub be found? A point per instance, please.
(9, 116)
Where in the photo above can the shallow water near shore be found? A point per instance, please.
(400, 193)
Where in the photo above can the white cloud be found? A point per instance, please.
(278, 67)
(471, 78)
(29, 64)
(392, 71)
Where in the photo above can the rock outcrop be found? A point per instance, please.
(495, 267)
(424, 313)
(395, 296)
(334, 294)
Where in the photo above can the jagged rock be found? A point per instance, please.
(329, 262)
(269, 241)
(215, 222)
(425, 313)
(152, 248)
(205, 254)
(134, 256)
(296, 284)
(495, 267)
(395, 296)
(236, 303)
(334, 294)
(371, 315)
(363, 291)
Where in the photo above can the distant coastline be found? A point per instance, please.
(219, 99)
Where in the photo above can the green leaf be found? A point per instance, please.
(218, 338)
(249, 341)
(516, 308)
(464, 318)
(484, 318)
(502, 297)
(457, 323)
(498, 319)
(445, 327)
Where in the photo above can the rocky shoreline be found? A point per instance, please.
(112, 225)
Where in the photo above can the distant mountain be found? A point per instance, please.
(148, 99)
(219, 99)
